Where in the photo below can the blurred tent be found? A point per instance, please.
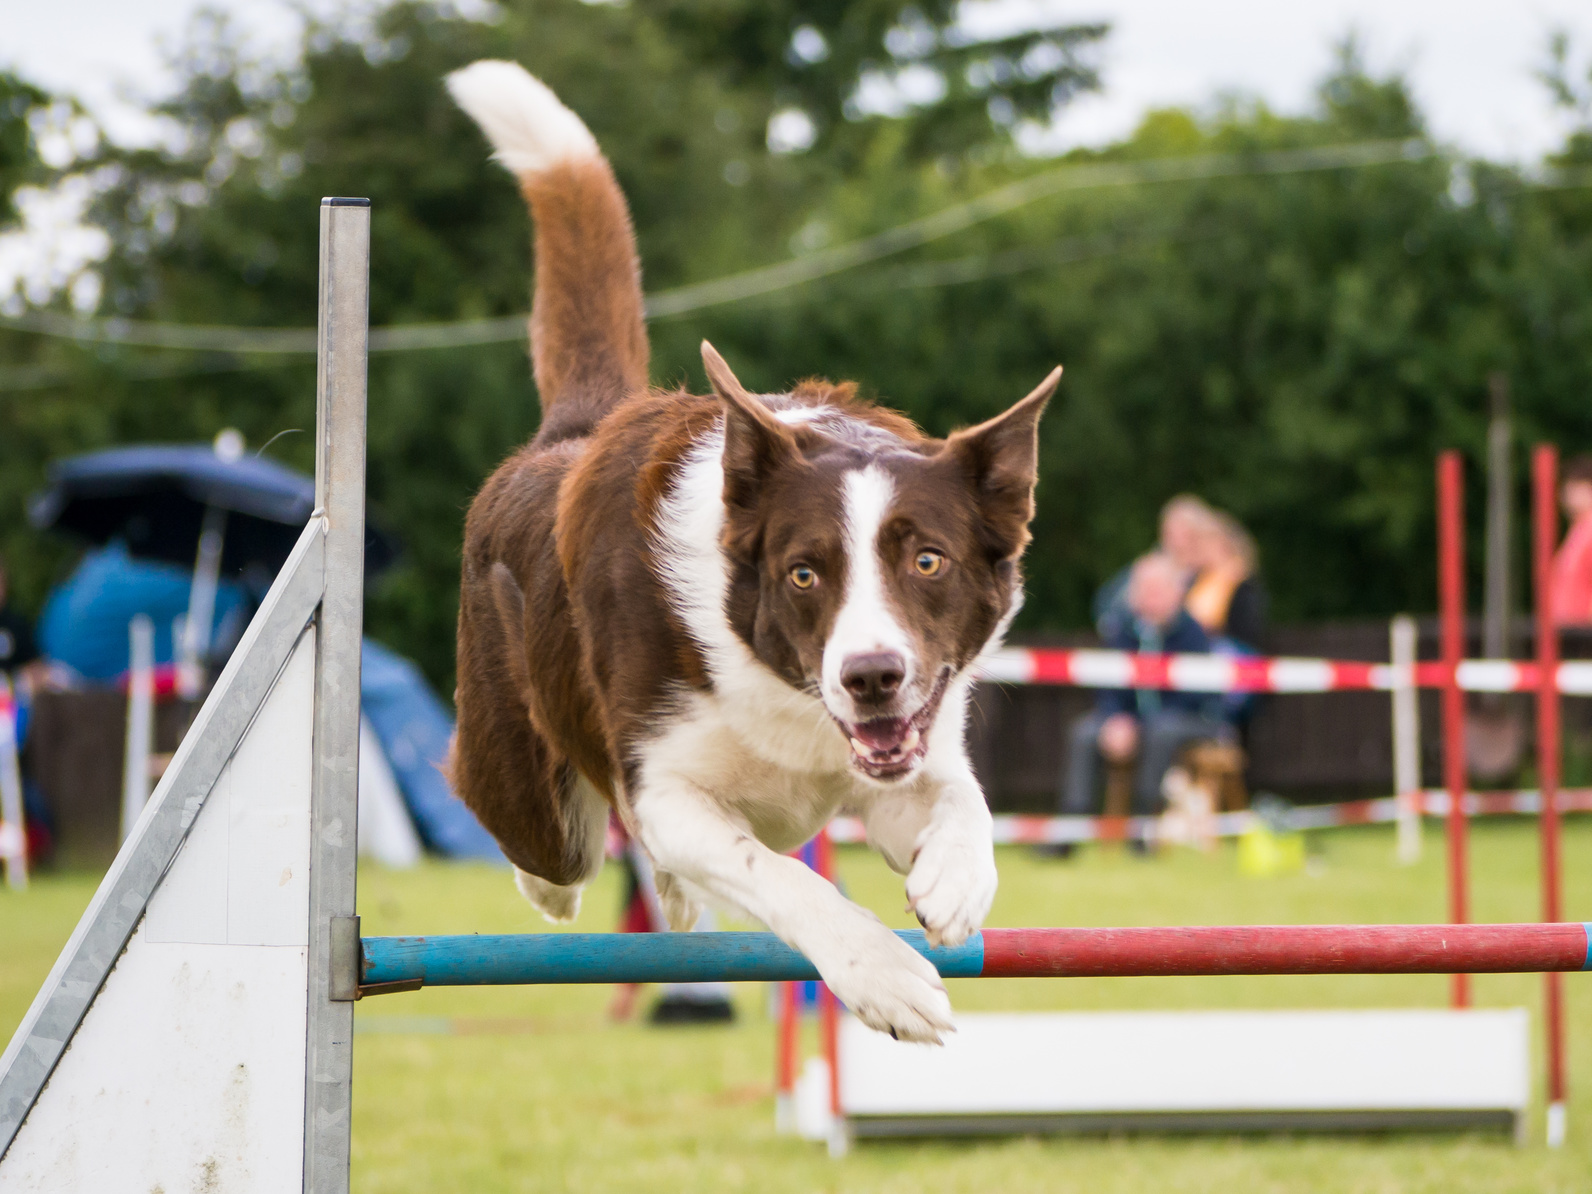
(414, 729)
(224, 513)
(405, 800)
(153, 498)
(84, 624)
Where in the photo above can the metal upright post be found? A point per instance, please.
(140, 719)
(1545, 525)
(340, 501)
(1406, 739)
(1451, 594)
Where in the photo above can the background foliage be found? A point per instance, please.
(1294, 347)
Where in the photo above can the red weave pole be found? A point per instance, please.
(829, 1026)
(1284, 949)
(1451, 604)
(828, 1005)
(789, 1027)
(1545, 524)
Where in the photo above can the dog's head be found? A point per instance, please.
(870, 565)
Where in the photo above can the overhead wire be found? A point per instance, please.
(751, 283)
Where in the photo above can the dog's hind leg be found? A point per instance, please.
(586, 831)
(550, 820)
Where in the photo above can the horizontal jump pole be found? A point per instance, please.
(408, 963)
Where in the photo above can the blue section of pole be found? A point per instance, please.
(502, 960)
(1586, 927)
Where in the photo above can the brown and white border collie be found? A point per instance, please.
(728, 617)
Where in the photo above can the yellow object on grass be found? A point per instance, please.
(1262, 851)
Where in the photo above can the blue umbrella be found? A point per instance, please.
(155, 499)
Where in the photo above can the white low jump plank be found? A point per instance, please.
(1194, 1071)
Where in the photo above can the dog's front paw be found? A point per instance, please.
(887, 984)
(951, 884)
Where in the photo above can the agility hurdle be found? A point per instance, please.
(195, 1032)
(197, 1029)
(409, 963)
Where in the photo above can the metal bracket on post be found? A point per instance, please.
(342, 984)
(344, 328)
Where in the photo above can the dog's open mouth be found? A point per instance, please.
(890, 747)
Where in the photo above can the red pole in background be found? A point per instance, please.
(788, 1049)
(785, 1063)
(1545, 525)
(828, 1005)
(1451, 604)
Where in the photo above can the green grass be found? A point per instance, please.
(534, 1090)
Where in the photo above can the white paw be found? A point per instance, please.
(679, 909)
(886, 983)
(952, 883)
(558, 904)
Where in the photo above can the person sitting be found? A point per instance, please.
(19, 656)
(1226, 596)
(1187, 523)
(1570, 596)
(1146, 726)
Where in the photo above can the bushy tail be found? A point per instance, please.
(588, 339)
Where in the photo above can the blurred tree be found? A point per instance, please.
(1293, 346)
(19, 159)
(839, 71)
(1572, 94)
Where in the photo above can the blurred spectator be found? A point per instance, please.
(1226, 596)
(1186, 524)
(1571, 595)
(18, 653)
(1143, 725)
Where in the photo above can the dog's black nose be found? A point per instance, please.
(874, 677)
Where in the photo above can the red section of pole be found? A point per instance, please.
(828, 1005)
(789, 1027)
(1284, 949)
(1451, 606)
(829, 1027)
(1545, 524)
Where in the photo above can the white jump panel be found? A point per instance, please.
(187, 1073)
(1267, 1070)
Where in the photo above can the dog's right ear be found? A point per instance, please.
(755, 442)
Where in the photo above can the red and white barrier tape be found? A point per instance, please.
(1088, 668)
(1039, 831)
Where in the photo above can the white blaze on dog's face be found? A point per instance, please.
(868, 565)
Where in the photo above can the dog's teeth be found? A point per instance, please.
(861, 748)
(910, 742)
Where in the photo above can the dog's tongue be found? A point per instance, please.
(883, 735)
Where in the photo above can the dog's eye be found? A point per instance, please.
(803, 577)
(929, 563)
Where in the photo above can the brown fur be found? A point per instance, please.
(588, 340)
(569, 652)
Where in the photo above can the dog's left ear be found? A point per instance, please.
(1001, 460)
